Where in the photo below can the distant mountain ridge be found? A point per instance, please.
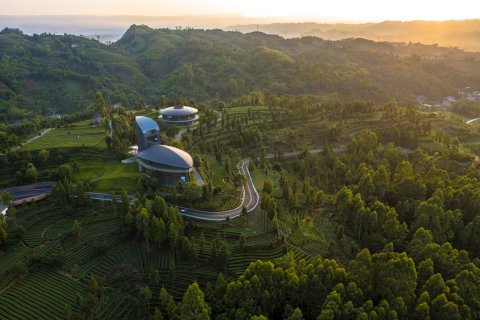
(464, 34)
(111, 28)
(48, 72)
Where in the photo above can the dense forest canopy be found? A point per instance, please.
(42, 74)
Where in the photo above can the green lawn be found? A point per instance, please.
(105, 173)
(218, 171)
(109, 175)
(78, 135)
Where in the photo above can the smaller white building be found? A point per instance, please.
(180, 116)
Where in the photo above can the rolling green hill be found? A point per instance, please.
(43, 72)
(47, 72)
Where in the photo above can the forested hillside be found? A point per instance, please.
(42, 73)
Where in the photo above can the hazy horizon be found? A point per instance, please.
(109, 19)
(113, 26)
(305, 10)
(110, 28)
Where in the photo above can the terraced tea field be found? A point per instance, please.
(55, 266)
(43, 294)
(47, 257)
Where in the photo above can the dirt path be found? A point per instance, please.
(472, 120)
(48, 228)
(179, 134)
(41, 134)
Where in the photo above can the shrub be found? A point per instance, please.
(64, 172)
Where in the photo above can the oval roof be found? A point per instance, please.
(146, 124)
(167, 155)
(178, 111)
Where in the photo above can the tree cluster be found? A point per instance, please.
(153, 221)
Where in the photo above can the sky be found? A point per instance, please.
(312, 10)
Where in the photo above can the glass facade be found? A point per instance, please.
(180, 115)
(183, 117)
(164, 167)
(183, 120)
(168, 179)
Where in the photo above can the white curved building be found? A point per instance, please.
(147, 132)
(169, 164)
(180, 115)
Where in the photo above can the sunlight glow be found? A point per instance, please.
(367, 10)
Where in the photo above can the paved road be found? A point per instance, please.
(250, 199)
(250, 196)
(290, 154)
(179, 134)
(339, 148)
(107, 196)
(30, 192)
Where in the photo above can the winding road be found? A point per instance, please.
(250, 197)
(250, 200)
(289, 154)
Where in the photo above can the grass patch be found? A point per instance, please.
(109, 175)
(86, 145)
(218, 171)
(78, 135)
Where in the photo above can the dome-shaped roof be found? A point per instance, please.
(167, 155)
(146, 124)
(178, 111)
